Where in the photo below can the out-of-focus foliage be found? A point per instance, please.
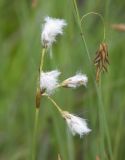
(20, 50)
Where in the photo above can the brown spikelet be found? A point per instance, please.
(101, 60)
(119, 27)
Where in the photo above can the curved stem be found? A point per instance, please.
(55, 104)
(101, 17)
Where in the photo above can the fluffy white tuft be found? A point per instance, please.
(75, 81)
(51, 28)
(49, 81)
(76, 124)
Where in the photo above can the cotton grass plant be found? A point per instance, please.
(48, 82)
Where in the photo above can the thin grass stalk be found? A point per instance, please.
(101, 121)
(119, 134)
(80, 27)
(102, 117)
(37, 109)
(55, 104)
(35, 134)
(42, 60)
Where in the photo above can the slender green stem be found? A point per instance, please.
(119, 131)
(35, 134)
(77, 11)
(37, 108)
(41, 66)
(102, 118)
(55, 104)
(42, 59)
(80, 26)
(101, 121)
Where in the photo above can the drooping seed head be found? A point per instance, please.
(76, 124)
(101, 60)
(75, 81)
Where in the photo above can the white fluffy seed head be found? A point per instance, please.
(76, 124)
(49, 81)
(75, 81)
(51, 28)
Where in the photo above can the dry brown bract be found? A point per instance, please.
(38, 97)
(101, 60)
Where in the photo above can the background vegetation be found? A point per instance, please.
(20, 49)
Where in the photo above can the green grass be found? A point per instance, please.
(20, 51)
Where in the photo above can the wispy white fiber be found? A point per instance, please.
(49, 81)
(75, 81)
(51, 28)
(76, 124)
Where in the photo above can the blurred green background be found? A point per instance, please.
(20, 50)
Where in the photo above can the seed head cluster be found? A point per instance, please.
(49, 81)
